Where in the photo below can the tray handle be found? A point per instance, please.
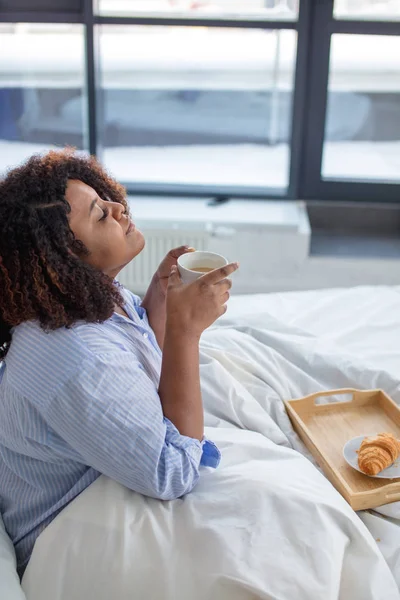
(393, 494)
(309, 401)
(377, 497)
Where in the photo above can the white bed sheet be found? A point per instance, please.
(266, 524)
(364, 321)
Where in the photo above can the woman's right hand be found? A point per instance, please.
(193, 307)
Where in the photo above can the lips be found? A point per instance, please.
(131, 227)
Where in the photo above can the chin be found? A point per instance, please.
(141, 242)
(137, 244)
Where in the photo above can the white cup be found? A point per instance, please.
(193, 260)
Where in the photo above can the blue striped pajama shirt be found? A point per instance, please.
(77, 403)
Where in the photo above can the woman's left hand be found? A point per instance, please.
(163, 272)
(155, 299)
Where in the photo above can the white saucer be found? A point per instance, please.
(351, 457)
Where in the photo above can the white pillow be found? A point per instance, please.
(10, 587)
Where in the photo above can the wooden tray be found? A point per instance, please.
(325, 428)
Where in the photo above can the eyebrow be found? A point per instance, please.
(92, 205)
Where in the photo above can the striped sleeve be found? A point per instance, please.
(110, 418)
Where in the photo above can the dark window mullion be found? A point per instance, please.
(365, 27)
(40, 17)
(300, 99)
(90, 70)
(318, 81)
(196, 22)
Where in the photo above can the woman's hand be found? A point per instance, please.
(163, 272)
(193, 307)
(154, 300)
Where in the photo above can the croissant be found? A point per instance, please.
(377, 453)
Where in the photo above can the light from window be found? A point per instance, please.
(197, 105)
(41, 74)
(368, 10)
(362, 130)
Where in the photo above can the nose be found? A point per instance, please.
(117, 210)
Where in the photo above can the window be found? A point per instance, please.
(362, 128)
(202, 106)
(368, 10)
(351, 142)
(41, 99)
(295, 99)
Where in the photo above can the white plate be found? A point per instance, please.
(351, 457)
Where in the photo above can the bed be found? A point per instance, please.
(266, 524)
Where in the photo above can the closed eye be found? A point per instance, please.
(106, 212)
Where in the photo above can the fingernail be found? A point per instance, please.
(236, 265)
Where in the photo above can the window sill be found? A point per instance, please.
(355, 245)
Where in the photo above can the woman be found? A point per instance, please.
(93, 381)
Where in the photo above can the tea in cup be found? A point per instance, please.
(193, 265)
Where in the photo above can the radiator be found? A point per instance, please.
(137, 275)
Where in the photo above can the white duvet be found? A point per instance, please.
(266, 524)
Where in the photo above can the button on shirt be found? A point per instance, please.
(77, 403)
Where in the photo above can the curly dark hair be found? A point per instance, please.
(42, 274)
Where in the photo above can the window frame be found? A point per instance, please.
(199, 190)
(315, 26)
(313, 186)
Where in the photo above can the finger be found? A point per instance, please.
(177, 252)
(223, 286)
(174, 277)
(218, 274)
(223, 310)
(225, 297)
